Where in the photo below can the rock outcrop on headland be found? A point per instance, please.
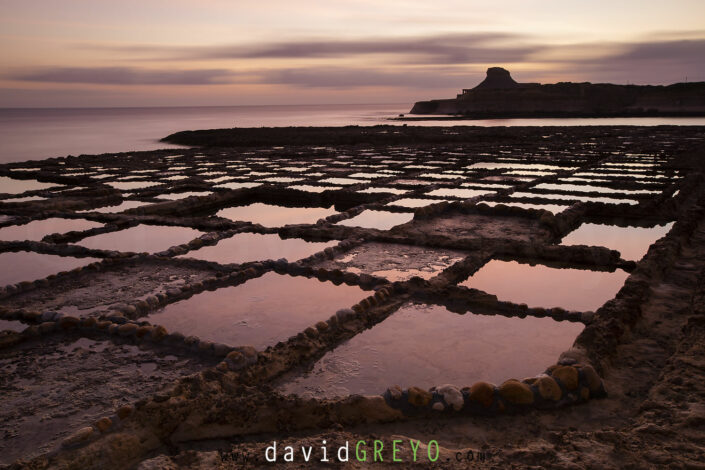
(499, 96)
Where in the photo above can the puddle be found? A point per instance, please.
(631, 242)
(381, 220)
(129, 185)
(15, 186)
(555, 208)
(259, 313)
(236, 185)
(426, 346)
(119, 208)
(459, 192)
(177, 196)
(30, 266)
(245, 247)
(270, 215)
(585, 188)
(281, 179)
(142, 238)
(573, 197)
(314, 189)
(541, 286)
(343, 181)
(414, 202)
(394, 262)
(12, 325)
(38, 229)
(374, 190)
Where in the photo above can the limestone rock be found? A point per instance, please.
(516, 393)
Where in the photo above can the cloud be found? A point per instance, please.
(124, 76)
(344, 77)
(440, 49)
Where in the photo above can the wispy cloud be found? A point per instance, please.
(124, 76)
(440, 49)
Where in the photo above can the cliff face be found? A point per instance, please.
(500, 96)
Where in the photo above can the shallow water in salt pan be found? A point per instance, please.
(142, 238)
(542, 286)
(38, 229)
(425, 346)
(30, 266)
(381, 220)
(259, 313)
(271, 215)
(245, 247)
(15, 186)
(631, 242)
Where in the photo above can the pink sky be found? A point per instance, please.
(242, 52)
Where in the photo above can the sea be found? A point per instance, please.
(38, 133)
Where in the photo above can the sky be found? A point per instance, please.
(92, 53)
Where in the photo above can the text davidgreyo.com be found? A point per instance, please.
(370, 450)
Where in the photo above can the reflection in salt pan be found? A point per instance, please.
(271, 215)
(631, 242)
(30, 266)
(142, 238)
(381, 220)
(421, 346)
(259, 313)
(245, 247)
(38, 229)
(541, 286)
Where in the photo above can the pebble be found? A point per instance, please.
(516, 393)
(482, 393)
(567, 375)
(419, 397)
(452, 396)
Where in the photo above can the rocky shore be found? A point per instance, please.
(92, 380)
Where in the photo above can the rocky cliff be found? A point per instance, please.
(499, 96)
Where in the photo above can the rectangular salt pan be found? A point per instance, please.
(38, 229)
(142, 238)
(426, 346)
(259, 313)
(380, 220)
(30, 266)
(541, 286)
(245, 247)
(270, 215)
(631, 242)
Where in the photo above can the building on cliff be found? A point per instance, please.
(500, 96)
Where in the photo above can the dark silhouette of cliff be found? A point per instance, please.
(499, 96)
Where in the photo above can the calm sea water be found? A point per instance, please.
(32, 134)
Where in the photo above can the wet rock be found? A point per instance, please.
(125, 411)
(516, 393)
(220, 349)
(128, 329)
(452, 396)
(395, 392)
(158, 333)
(549, 388)
(48, 316)
(419, 397)
(594, 382)
(568, 375)
(79, 437)
(103, 424)
(344, 314)
(482, 393)
(69, 322)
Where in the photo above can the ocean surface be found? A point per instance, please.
(33, 134)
